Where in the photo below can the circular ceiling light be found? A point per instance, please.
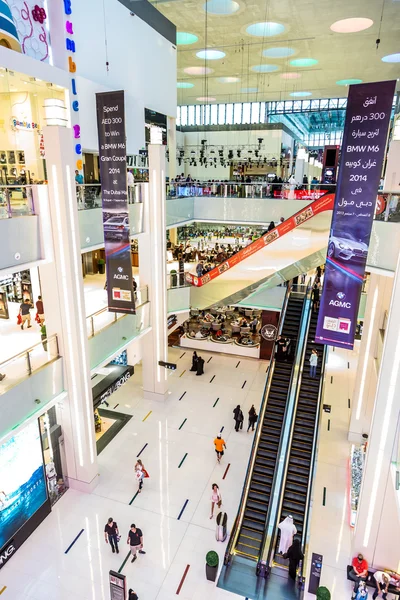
(266, 29)
(348, 81)
(352, 25)
(205, 99)
(250, 90)
(278, 52)
(210, 54)
(291, 75)
(198, 70)
(264, 68)
(301, 94)
(184, 85)
(303, 62)
(391, 58)
(221, 7)
(183, 38)
(228, 79)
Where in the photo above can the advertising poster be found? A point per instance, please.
(364, 141)
(22, 481)
(112, 151)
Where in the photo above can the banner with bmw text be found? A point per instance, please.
(364, 141)
(112, 150)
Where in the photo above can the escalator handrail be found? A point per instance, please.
(253, 453)
(313, 465)
(286, 436)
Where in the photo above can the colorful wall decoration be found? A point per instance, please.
(24, 27)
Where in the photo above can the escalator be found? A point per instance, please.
(295, 496)
(255, 514)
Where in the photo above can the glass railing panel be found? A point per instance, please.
(103, 318)
(88, 195)
(16, 201)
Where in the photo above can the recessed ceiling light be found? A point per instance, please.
(198, 70)
(279, 52)
(205, 99)
(184, 39)
(348, 81)
(210, 54)
(264, 68)
(221, 7)
(303, 62)
(352, 25)
(265, 29)
(184, 85)
(392, 58)
(291, 75)
(250, 90)
(301, 94)
(228, 79)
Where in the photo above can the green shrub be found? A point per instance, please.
(323, 594)
(212, 559)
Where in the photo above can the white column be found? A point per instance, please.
(382, 435)
(173, 235)
(63, 296)
(363, 398)
(171, 125)
(153, 273)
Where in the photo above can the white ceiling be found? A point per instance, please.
(307, 30)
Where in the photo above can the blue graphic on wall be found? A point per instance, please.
(22, 481)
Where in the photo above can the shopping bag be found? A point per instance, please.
(19, 319)
(145, 473)
(37, 318)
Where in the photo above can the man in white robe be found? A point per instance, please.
(288, 531)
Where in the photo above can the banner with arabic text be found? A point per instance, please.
(364, 141)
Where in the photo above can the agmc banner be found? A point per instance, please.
(364, 141)
(112, 150)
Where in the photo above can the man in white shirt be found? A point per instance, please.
(130, 177)
(382, 584)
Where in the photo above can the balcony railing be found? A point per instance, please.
(16, 201)
(27, 362)
(88, 195)
(234, 189)
(103, 318)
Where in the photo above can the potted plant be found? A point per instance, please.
(212, 562)
(323, 593)
(43, 336)
(101, 266)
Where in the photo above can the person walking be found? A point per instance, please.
(315, 296)
(238, 417)
(133, 595)
(216, 498)
(194, 361)
(24, 311)
(40, 310)
(313, 363)
(252, 418)
(219, 444)
(111, 534)
(140, 473)
(295, 555)
(135, 541)
(200, 366)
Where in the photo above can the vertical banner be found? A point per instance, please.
(112, 150)
(315, 573)
(364, 141)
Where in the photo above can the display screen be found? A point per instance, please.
(330, 159)
(22, 481)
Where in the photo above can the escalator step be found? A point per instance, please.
(257, 505)
(258, 497)
(255, 516)
(253, 525)
(248, 545)
(256, 536)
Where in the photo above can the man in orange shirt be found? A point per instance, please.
(219, 444)
(359, 571)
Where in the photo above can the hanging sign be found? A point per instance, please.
(364, 141)
(112, 151)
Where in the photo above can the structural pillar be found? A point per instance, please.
(64, 304)
(171, 124)
(153, 273)
(382, 437)
(173, 235)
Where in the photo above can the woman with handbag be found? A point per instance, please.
(216, 498)
(140, 473)
(252, 418)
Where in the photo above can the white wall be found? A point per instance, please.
(387, 553)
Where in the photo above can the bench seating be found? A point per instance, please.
(371, 581)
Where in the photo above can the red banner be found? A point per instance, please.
(312, 194)
(320, 205)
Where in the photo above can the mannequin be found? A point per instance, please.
(288, 531)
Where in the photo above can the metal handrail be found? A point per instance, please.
(253, 454)
(116, 314)
(28, 350)
(286, 436)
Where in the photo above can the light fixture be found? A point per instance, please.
(301, 94)
(185, 85)
(352, 25)
(205, 99)
(228, 79)
(55, 112)
(392, 58)
(208, 54)
(279, 52)
(290, 75)
(198, 70)
(303, 62)
(264, 68)
(184, 39)
(221, 7)
(265, 29)
(348, 81)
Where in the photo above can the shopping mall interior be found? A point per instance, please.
(199, 190)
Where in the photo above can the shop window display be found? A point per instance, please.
(53, 453)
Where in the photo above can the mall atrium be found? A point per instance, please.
(199, 188)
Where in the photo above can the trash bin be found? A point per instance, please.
(174, 278)
(221, 532)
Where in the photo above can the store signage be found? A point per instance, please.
(316, 207)
(315, 573)
(327, 408)
(6, 554)
(112, 151)
(17, 125)
(269, 332)
(117, 586)
(171, 321)
(109, 385)
(364, 141)
(167, 365)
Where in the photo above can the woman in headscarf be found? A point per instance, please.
(195, 359)
(238, 416)
(295, 555)
(252, 418)
(200, 366)
(271, 226)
